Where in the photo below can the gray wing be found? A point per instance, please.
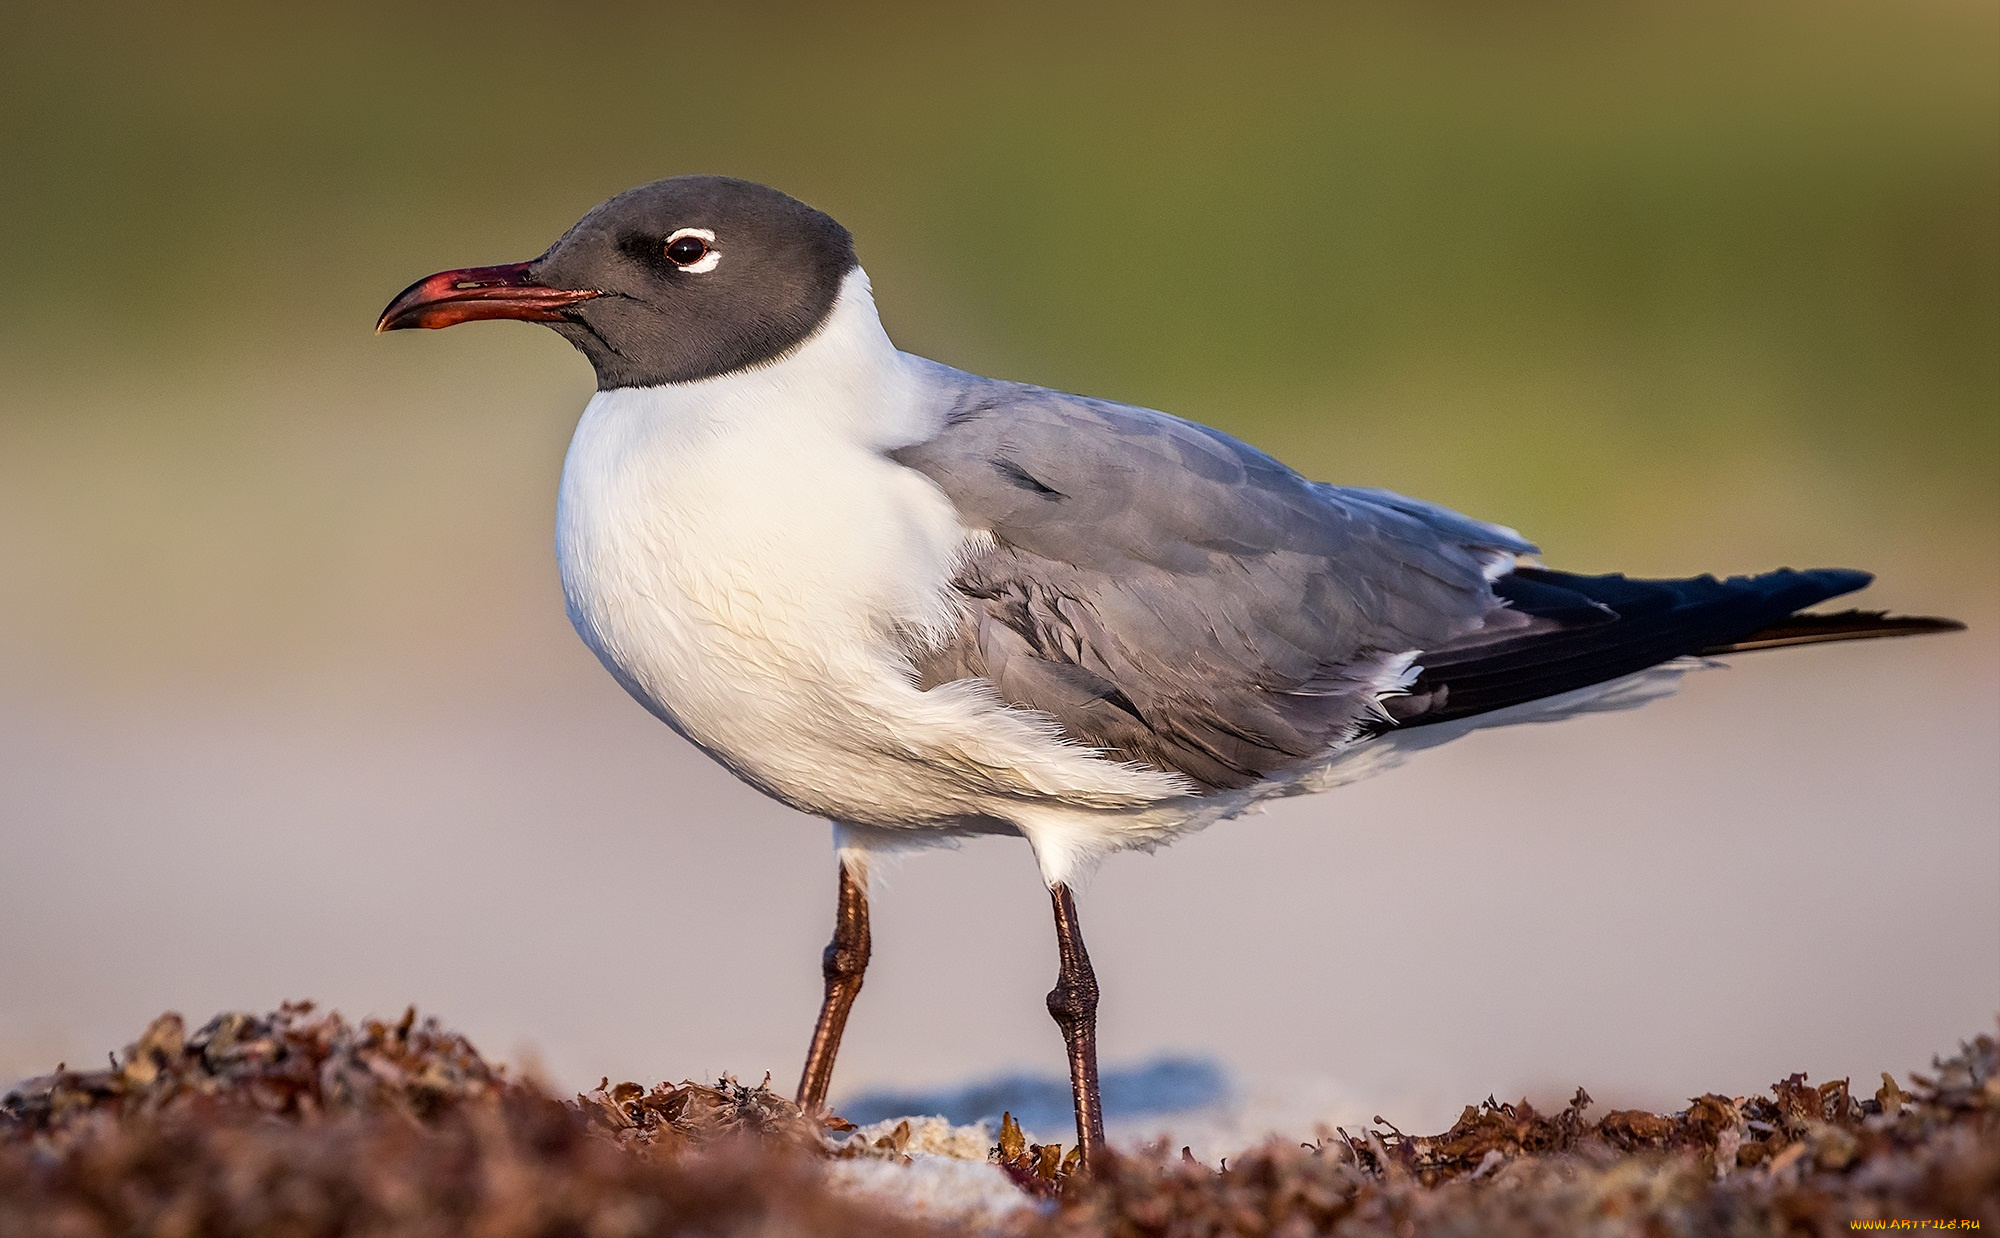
(1176, 597)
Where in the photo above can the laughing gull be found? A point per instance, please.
(925, 604)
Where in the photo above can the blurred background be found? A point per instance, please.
(289, 707)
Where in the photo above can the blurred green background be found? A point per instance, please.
(289, 707)
(1670, 287)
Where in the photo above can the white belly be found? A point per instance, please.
(750, 579)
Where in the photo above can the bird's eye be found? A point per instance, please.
(692, 249)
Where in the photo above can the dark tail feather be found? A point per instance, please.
(1842, 625)
(1583, 630)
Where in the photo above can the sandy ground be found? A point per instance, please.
(1789, 866)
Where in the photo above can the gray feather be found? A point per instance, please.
(1179, 598)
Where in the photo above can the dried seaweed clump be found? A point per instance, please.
(1040, 1169)
(670, 1119)
(299, 1123)
(293, 1063)
(1808, 1160)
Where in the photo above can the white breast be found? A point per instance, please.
(743, 557)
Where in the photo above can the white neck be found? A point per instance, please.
(845, 380)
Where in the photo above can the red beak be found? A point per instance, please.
(451, 297)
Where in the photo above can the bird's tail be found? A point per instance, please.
(1841, 625)
(1585, 630)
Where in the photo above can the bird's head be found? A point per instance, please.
(675, 281)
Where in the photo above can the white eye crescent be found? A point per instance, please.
(692, 250)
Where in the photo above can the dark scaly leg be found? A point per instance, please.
(1073, 1003)
(845, 960)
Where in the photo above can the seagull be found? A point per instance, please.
(927, 605)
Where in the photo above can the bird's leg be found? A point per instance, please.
(845, 960)
(1073, 1003)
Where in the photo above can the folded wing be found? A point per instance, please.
(1178, 598)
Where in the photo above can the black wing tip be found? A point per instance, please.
(1840, 579)
(1596, 628)
(1807, 629)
